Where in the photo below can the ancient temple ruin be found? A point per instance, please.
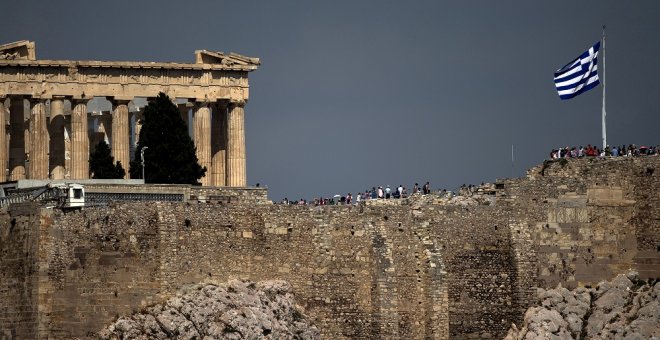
(49, 129)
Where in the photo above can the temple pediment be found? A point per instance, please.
(231, 59)
(19, 50)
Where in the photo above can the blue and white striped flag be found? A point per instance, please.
(578, 76)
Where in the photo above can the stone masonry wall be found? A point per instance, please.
(396, 269)
(590, 219)
(331, 265)
(18, 272)
(360, 272)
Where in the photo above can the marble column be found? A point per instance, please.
(67, 146)
(218, 143)
(3, 140)
(202, 139)
(236, 172)
(27, 121)
(56, 132)
(79, 140)
(38, 165)
(120, 134)
(17, 149)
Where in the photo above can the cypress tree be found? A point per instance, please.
(170, 156)
(101, 163)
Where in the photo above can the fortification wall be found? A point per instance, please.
(19, 266)
(590, 219)
(363, 272)
(399, 269)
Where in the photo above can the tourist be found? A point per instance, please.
(400, 190)
(388, 191)
(427, 188)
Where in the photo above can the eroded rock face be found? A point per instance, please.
(625, 308)
(236, 310)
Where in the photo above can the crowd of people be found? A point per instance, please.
(387, 192)
(593, 151)
(370, 194)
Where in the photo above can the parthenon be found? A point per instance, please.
(49, 130)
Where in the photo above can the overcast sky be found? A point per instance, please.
(355, 94)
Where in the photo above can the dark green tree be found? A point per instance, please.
(102, 165)
(170, 155)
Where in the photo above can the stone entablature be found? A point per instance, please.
(216, 85)
(123, 80)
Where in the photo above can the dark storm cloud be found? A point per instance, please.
(352, 94)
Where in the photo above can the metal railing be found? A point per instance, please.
(104, 197)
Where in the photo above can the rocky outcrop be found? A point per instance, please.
(625, 308)
(236, 310)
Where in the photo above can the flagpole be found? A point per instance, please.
(604, 129)
(511, 160)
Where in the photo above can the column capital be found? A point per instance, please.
(117, 102)
(202, 104)
(238, 103)
(34, 100)
(118, 98)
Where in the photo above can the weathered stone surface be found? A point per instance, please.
(236, 310)
(621, 309)
(205, 80)
(410, 269)
(215, 78)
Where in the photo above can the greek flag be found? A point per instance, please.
(578, 76)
